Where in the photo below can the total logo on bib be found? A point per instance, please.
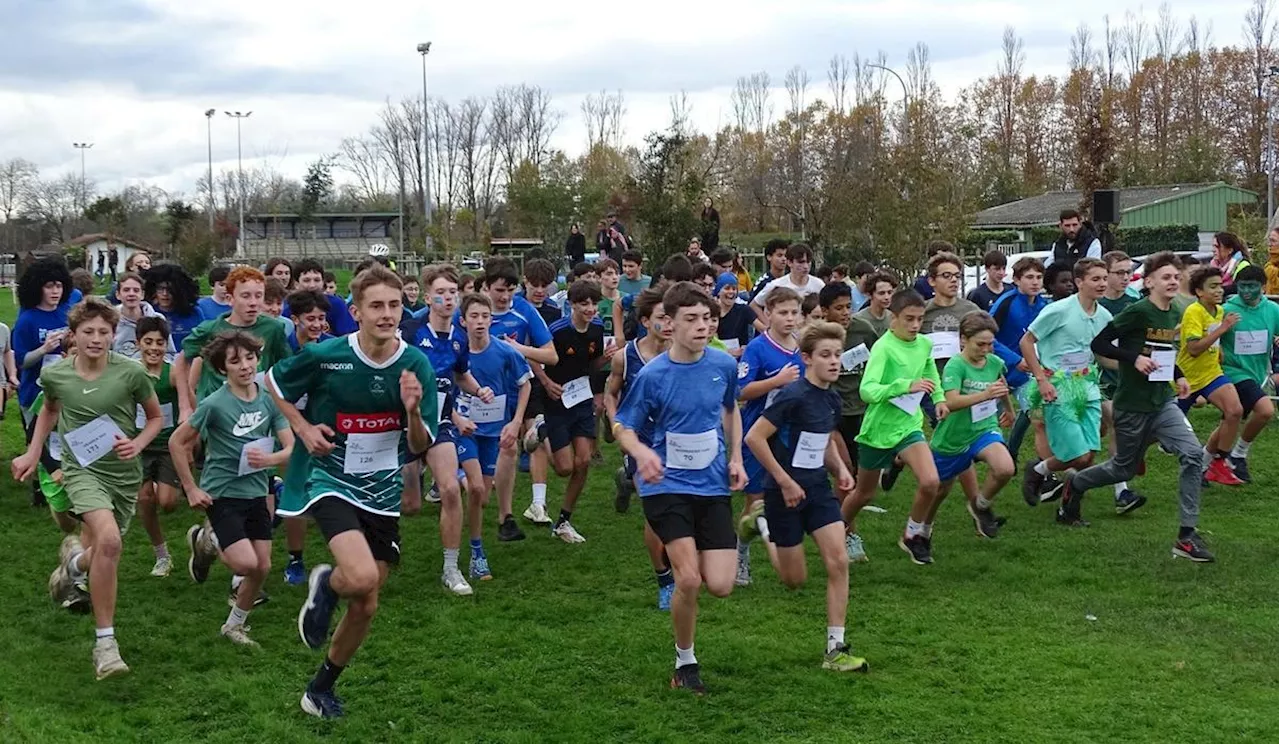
(368, 423)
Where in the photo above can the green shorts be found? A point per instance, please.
(89, 493)
(1069, 437)
(157, 467)
(54, 494)
(874, 458)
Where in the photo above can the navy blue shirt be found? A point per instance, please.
(805, 415)
(983, 297)
(923, 288)
(449, 353)
(736, 324)
(576, 351)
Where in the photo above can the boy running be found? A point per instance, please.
(792, 439)
(236, 425)
(688, 396)
(367, 414)
(93, 399)
(160, 480)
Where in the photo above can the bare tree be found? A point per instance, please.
(797, 84)
(55, 203)
(752, 109)
(364, 159)
(16, 177)
(1083, 55)
(1133, 40)
(919, 71)
(681, 112)
(603, 114)
(473, 153)
(838, 81)
(506, 128)
(540, 122)
(1008, 83)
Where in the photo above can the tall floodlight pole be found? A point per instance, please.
(208, 115)
(239, 117)
(423, 49)
(84, 195)
(906, 97)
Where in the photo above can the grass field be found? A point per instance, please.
(1045, 635)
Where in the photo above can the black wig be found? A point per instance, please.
(182, 288)
(39, 273)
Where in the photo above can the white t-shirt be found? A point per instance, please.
(813, 286)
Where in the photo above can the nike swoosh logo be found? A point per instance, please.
(88, 391)
(240, 431)
(715, 379)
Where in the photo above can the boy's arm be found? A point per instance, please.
(757, 440)
(873, 390)
(613, 387)
(181, 443)
(281, 456)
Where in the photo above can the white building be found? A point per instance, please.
(97, 247)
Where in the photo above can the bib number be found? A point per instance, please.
(575, 392)
(984, 410)
(811, 449)
(1075, 361)
(1165, 358)
(93, 441)
(692, 451)
(1251, 342)
(854, 358)
(166, 413)
(488, 413)
(372, 453)
(265, 445)
(946, 344)
(908, 403)
(441, 398)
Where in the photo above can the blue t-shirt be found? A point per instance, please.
(521, 322)
(984, 298)
(503, 370)
(1014, 313)
(29, 332)
(804, 415)
(763, 359)
(210, 308)
(180, 326)
(448, 353)
(293, 339)
(923, 288)
(634, 363)
(684, 402)
(339, 315)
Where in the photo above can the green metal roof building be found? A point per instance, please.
(1201, 204)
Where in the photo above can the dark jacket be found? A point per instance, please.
(576, 247)
(710, 230)
(1068, 254)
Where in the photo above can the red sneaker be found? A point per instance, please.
(1220, 472)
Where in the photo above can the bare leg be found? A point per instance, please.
(102, 561)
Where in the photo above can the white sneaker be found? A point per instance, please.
(531, 439)
(432, 496)
(106, 659)
(60, 585)
(743, 576)
(239, 635)
(537, 513)
(566, 532)
(70, 546)
(163, 566)
(453, 581)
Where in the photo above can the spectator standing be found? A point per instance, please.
(1229, 256)
(710, 226)
(575, 246)
(1077, 240)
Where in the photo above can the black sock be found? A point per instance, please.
(564, 516)
(665, 577)
(295, 555)
(1185, 532)
(326, 675)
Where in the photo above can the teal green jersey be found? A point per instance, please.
(228, 425)
(962, 428)
(360, 401)
(1246, 348)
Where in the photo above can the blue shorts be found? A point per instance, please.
(482, 449)
(755, 472)
(788, 525)
(1186, 403)
(565, 426)
(951, 466)
(447, 433)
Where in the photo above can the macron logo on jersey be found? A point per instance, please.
(368, 423)
(338, 366)
(248, 422)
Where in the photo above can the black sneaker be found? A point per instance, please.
(623, 486)
(688, 678)
(890, 475)
(199, 561)
(1069, 509)
(509, 531)
(918, 548)
(985, 521)
(258, 601)
(1032, 484)
(1128, 500)
(1051, 490)
(1240, 467)
(1193, 548)
(317, 611)
(321, 704)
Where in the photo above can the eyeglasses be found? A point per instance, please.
(947, 275)
(1120, 273)
(707, 285)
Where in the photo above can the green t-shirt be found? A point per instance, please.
(858, 333)
(881, 324)
(353, 396)
(1143, 328)
(960, 429)
(893, 367)
(275, 346)
(1256, 324)
(226, 424)
(116, 393)
(167, 395)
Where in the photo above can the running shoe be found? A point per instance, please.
(1069, 510)
(748, 529)
(479, 568)
(597, 458)
(853, 547)
(1221, 473)
(622, 494)
(536, 433)
(841, 659)
(238, 634)
(984, 520)
(60, 585)
(664, 596)
(509, 531)
(1193, 548)
(889, 476)
(258, 601)
(1051, 490)
(743, 577)
(537, 513)
(918, 548)
(106, 659)
(1032, 484)
(432, 496)
(1240, 467)
(1129, 500)
(164, 564)
(201, 558)
(688, 678)
(453, 581)
(295, 572)
(566, 532)
(317, 612)
(69, 547)
(321, 704)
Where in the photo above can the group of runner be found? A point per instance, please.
(705, 392)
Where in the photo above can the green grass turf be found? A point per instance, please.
(991, 643)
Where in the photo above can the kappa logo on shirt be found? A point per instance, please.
(248, 422)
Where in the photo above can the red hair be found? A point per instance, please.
(244, 274)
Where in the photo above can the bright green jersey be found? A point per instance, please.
(963, 427)
(1246, 348)
(115, 394)
(228, 425)
(275, 346)
(360, 401)
(892, 412)
(167, 395)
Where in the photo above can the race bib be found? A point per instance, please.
(909, 402)
(575, 392)
(488, 413)
(55, 446)
(854, 358)
(265, 445)
(811, 449)
(1165, 358)
(946, 344)
(166, 413)
(692, 451)
(1075, 361)
(1251, 342)
(984, 410)
(92, 442)
(768, 399)
(372, 453)
(441, 398)
(732, 344)
(48, 359)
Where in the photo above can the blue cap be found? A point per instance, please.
(724, 280)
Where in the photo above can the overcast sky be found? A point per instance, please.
(134, 77)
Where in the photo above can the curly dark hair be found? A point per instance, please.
(182, 288)
(39, 273)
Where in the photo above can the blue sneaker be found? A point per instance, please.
(480, 567)
(321, 704)
(664, 596)
(295, 574)
(317, 611)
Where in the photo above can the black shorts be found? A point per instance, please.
(234, 520)
(565, 426)
(1250, 393)
(335, 516)
(788, 525)
(707, 519)
(537, 404)
(849, 428)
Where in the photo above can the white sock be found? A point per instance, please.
(73, 566)
(914, 528)
(982, 502)
(763, 526)
(1241, 450)
(1208, 455)
(236, 581)
(835, 636)
(1042, 468)
(1121, 487)
(926, 529)
(539, 494)
(451, 559)
(685, 657)
(105, 634)
(237, 616)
